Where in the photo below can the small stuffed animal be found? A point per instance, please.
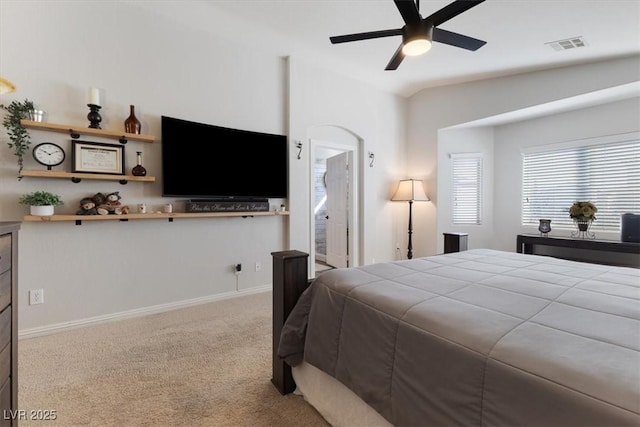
(122, 210)
(110, 203)
(99, 199)
(113, 202)
(87, 207)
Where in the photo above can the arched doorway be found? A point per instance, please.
(335, 198)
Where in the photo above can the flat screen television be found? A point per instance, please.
(205, 161)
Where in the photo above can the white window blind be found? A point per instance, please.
(467, 188)
(607, 174)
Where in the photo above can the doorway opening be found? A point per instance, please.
(334, 226)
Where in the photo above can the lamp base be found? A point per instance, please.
(410, 246)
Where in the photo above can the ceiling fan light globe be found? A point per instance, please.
(416, 47)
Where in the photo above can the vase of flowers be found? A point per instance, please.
(583, 214)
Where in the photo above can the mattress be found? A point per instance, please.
(480, 337)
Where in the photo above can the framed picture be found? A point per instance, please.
(95, 157)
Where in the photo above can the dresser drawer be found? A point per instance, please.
(5, 253)
(5, 289)
(5, 327)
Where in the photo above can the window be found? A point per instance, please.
(605, 171)
(467, 188)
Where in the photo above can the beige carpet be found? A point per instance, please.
(208, 365)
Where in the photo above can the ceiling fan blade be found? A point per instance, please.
(409, 11)
(396, 59)
(451, 10)
(365, 36)
(455, 39)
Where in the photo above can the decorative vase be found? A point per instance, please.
(36, 115)
(46, 210)
(138, 169)
(544, 227)
(583, 229)
(132, 124)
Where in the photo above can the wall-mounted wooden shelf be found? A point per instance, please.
(170, 216)
(76, 131)
(76, 177)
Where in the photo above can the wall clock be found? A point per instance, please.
(48, 154)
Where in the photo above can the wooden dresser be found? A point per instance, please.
(8, 322)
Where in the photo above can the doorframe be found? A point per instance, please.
(353, 215)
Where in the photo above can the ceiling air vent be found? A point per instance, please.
(567, 44)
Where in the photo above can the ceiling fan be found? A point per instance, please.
(418, 33)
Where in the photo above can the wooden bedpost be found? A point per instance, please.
(290, 279)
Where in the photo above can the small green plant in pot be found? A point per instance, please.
(19, 138)
(41, 202)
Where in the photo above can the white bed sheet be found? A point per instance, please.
(338, 405)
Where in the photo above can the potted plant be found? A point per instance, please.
(19, 138)
(583, 214)
(41, 202)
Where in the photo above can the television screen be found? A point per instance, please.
(204, 161)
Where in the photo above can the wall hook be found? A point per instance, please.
(299, 147)
(372, 158)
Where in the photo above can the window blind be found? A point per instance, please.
(608, 175)
(467, 188)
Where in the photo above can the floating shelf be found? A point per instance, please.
(170, 216)
(76, 177)
(79, 130)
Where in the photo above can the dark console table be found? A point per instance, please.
(609, 252)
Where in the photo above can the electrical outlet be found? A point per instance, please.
(258, 266)
(36, 296)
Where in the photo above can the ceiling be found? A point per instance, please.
(516, 32)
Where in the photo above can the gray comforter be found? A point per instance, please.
(478, 338)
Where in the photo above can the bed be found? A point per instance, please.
(474, 338)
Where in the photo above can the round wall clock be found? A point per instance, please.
(48, 154)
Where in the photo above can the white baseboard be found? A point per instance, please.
(137, 312)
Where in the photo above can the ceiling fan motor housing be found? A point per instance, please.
(418, 33)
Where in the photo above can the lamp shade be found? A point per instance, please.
(6, 86)
(410, 190)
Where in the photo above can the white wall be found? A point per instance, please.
(502, 146)
(321, 102)
(456, 141)
(433, 109)
(146, 54)
(608, 119)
